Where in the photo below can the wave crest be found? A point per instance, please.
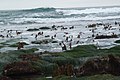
(40, 10)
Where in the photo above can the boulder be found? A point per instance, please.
(104, 65)
(19, 68)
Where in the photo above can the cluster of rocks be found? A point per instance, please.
(102, 65)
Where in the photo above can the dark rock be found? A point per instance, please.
(104, 65)
(91, 25)
(19, 69)
(100, 24)
(53, 26)
(106, 36)
(47, 36)
(35, 29)
(54, 41)
(118, 41)
(44, 28)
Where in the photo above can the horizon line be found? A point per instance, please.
(60, 7)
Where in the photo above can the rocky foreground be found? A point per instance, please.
(104, 65)
(80, 63)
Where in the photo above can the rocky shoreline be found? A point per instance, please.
(53, 64)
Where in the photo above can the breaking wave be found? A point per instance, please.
(45, 15)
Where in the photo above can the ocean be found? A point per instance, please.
(58, 15)
(22, 20)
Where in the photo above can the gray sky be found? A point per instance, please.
(20, 4)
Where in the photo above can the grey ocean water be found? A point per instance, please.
(21, 20)
(58, 15)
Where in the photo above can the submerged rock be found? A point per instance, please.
(104, 65)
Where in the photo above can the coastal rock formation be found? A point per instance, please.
(19, 68)
(104, 65)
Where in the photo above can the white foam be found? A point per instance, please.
(91, 10)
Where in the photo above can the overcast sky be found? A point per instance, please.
(23, 4)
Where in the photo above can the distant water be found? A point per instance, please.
(57, 15)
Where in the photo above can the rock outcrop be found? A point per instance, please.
(104, 65)
(19, 68)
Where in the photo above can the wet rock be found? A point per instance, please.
(106, 36)
(117, 41)
(47, 36)
(35, 29)
(54, 41)
(104, 65)
(44, 28)
(91, 25)
(45, 41)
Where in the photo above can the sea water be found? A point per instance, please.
(40, 17)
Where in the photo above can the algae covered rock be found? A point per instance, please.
(109, 65)
(18, 68)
